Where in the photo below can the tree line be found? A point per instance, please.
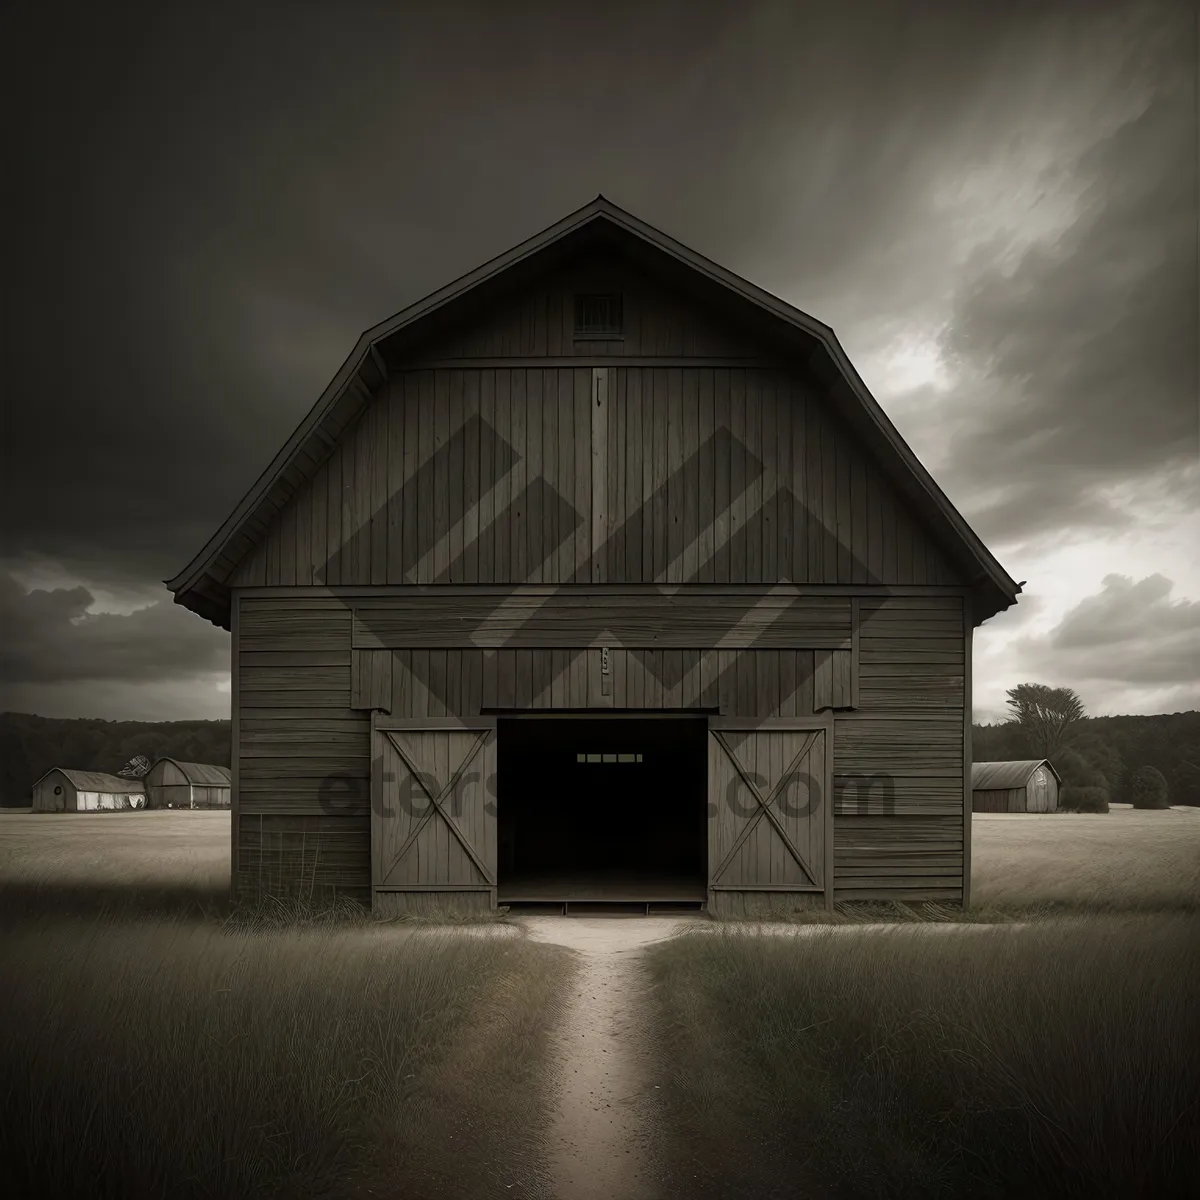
(1149, 761)
(31, 745)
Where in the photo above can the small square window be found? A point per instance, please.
(598, 316)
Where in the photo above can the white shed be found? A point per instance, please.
(63, 789)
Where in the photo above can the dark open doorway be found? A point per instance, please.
(605, 809)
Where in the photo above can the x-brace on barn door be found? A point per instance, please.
(769, 792)
(433, 805)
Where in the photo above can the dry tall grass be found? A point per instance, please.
(154, 862)
(1056, 1059)
(1124, 860)
(182, 1058)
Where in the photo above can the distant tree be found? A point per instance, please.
(1046, 714)
(1185, 782)
(1005, 742)
(1098, 752)
(1148, 788)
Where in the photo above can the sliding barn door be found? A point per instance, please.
(769, 797)
(433, 815)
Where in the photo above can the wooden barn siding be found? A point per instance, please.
(907, 842)
(304, 731)
(999, 800)
(302, 753)
(303, 725)
(484, 475)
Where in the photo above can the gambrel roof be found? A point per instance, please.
(202, 585)
(999, 776)
(97, 781)
(201, 774)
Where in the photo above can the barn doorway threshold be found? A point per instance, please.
(582, 894)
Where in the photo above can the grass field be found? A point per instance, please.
(1056, 1059)
(1054, 1056)
(156, 1048)
(1118, 861)
(156, 861)
(1124, 860)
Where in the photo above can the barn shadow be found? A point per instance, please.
(22, 900)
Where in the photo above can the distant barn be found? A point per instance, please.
(62, 789)
(174, 784)
(1014, 787)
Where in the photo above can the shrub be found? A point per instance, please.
(1077, 771)
(1148, 788)
(1104, 757)
(1075, 798)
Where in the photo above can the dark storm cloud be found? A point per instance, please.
(1128, 633)
(212, 202)
(49, 637)
(216, 201)
(1094, 340)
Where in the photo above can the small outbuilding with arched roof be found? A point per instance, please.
(1030, 785)
(63, 789)
(171, 783)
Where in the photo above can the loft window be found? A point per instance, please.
(607, 758)
(598, 316)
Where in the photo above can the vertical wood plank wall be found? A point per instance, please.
(484, 475)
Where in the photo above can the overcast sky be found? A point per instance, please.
(994, 204)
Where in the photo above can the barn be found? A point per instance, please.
(599, 575)
(1014, 787)
(63, 789)
(171, 783)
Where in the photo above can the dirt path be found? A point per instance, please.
(602, 1142)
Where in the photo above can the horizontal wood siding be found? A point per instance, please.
(302, 748)
(899, 801)
(654, 621)
(484, 475)
(908, 858)
(305, 856)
